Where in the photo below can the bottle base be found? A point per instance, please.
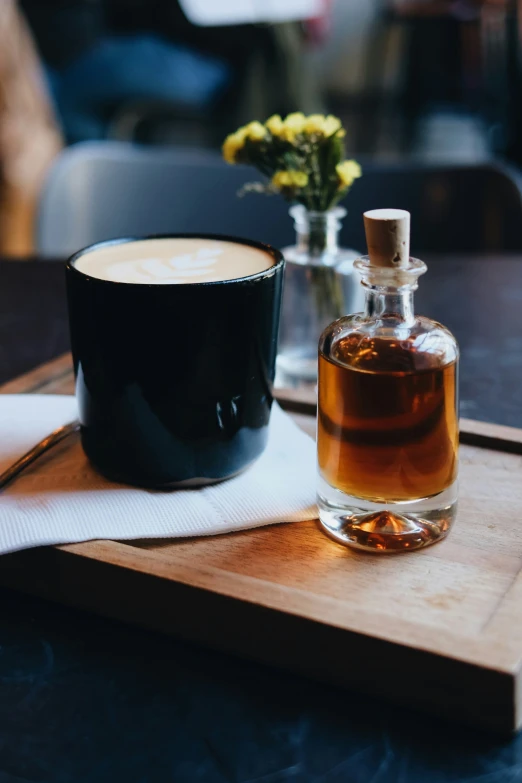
(386, 527)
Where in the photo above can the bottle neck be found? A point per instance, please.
(389, 291)
(317, 232)
(386, 302)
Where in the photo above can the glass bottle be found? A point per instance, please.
(320, 285)
(387, 433)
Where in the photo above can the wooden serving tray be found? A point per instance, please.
(440, 629)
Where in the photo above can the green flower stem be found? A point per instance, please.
(327, 292)
(326, 283)
(317, 238)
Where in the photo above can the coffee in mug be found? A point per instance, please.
(174, 260)
(174, 342)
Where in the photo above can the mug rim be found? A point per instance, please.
(276, 254)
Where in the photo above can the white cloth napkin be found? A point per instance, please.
(61, 499)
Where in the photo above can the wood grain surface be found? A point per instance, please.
(439, 629)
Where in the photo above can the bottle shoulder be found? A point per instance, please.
(388, 344)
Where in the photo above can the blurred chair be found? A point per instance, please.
(103, 190)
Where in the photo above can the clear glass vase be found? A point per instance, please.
(320, 286)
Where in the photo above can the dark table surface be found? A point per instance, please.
(87, 700)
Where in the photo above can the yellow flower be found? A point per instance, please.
(331, 125)
(290, 179)
(320, 125)
(293, 125)
(314, 124)
(347, 171)
(275, 125)
(233, 144)
(255, 131)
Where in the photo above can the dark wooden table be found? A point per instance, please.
(87, 700)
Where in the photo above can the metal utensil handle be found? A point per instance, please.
(44, 445)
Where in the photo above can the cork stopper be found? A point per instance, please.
(388, 237)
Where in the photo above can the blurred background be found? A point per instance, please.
(412, 80)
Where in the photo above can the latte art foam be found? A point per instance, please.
(174, 261)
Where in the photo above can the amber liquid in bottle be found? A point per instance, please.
(386, 434)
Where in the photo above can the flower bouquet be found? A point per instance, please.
(302, 159)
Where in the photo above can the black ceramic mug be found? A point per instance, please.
(174, 381)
